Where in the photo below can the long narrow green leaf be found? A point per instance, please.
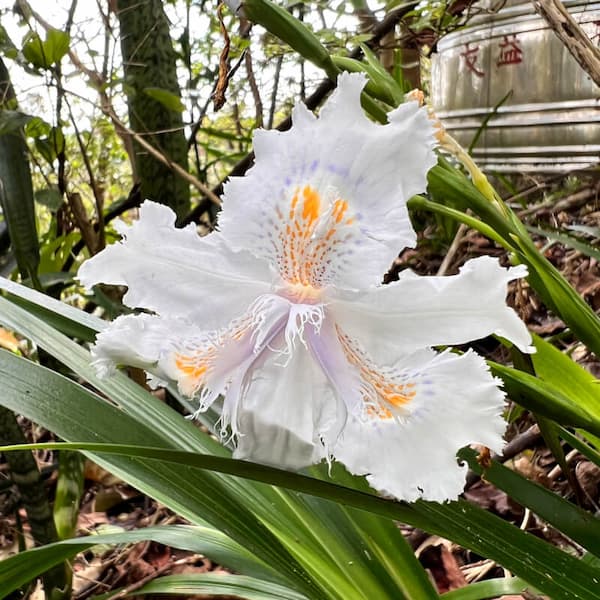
(73, 412)
(418, 202)
(378, 537)
(447, 185)
(544, 398)
(16, 190)
(376, 85)
(218, 584)
(548, 569)
(559, 295)
(566, 376)
(578, 524)
(571, 241)
(588, 451)
(282, 24)
(560, 576)
(64, 317)
(548, 428)
(486, 120)
(482, 590)
(23, 567)
(297, 532)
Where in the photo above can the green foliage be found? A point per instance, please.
(449, 185)
(51, 198)
(479, 531)
(69, 489)
(44, 54)
(52, 145)
(12, 121)
(282, 24)
(166, 98)
(16, 191)
(570, 240)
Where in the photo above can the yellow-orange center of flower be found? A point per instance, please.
(307, 238)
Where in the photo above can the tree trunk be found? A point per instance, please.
(26, 476)
(149, 65)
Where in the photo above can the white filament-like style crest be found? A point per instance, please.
(282, 312)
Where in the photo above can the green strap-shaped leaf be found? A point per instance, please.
(19, 569)
(565, 375)
(16, 192)
(73, 412)
(541, 565)
(449, 186)
(297, 525)
(216, 585)
(569, 240)
(578, 524)
(282, 24)
(544, 398)
(493, 588)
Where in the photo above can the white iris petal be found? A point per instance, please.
(281, 311)
(457, 402)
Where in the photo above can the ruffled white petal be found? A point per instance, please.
(137, 341)
(175, 272)
(457, 402)
(203, 363)
(284, 412)
(416, 312)
(369, 169)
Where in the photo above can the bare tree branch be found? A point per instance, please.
(254, 89)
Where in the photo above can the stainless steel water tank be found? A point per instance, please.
(551, 120)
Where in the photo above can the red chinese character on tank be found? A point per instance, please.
(510, 51)
(470, 55)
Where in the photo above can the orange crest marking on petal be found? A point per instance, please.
(307, 239)
(196, 363)
(190, 366)
(339, 209)
(194, 368)
(383, 395)
(312, 204)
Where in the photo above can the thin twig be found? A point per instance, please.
(456, 242)
(258, 105)
(276, 77)
(98, 238)
(95, 80)
(208, 193)
(570, 202)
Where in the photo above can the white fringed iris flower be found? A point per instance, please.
(282, 313)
